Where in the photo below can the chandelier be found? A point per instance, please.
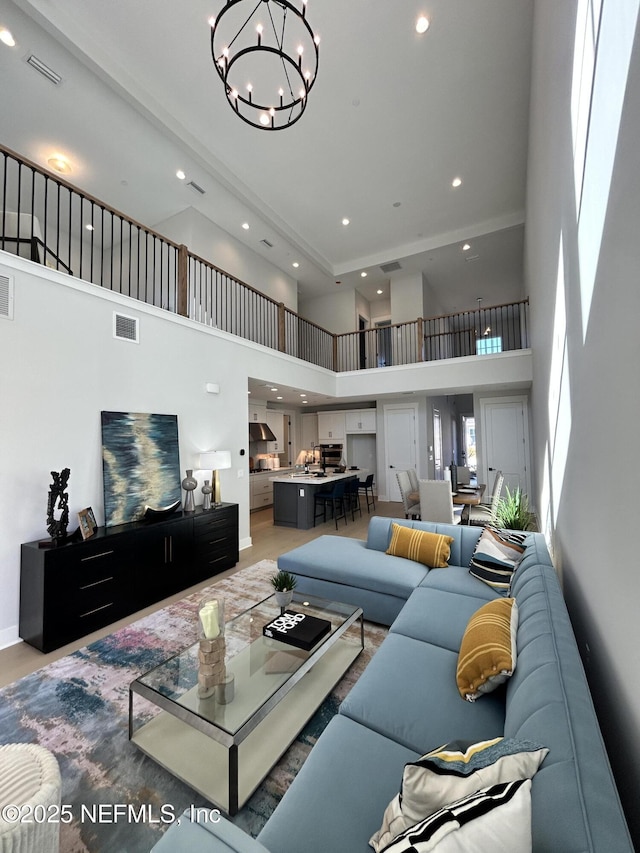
(266, 55)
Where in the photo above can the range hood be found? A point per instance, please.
(260, 432)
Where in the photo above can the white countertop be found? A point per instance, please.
(312, 480)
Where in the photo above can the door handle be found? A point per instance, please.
(491, 469)
(392, 466)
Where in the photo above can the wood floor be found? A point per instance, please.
(268, 543)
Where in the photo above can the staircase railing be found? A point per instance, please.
(46, 219)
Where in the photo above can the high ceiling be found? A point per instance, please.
(392, 119)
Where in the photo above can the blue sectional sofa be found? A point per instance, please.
(407, 703)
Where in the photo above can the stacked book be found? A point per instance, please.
(297, 629)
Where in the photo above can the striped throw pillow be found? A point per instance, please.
(496, 557)
(487, 655)
(451, 772)
(496, 818)
(431, 549)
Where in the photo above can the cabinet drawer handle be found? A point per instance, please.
(96, 556)
(97, 610)
(215, 541)
(96, 583)
(219, 559)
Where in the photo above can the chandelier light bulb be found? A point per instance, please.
(212, 21)
(300, 50)
(281, 91)
(422, 24)
(234, 93)
(249, 87)
(264, 119)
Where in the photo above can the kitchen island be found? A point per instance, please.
(294, 496)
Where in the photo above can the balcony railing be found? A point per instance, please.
(48, 220)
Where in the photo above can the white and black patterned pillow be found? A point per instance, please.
(496, 819)
(496, 557)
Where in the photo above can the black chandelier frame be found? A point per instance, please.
(291, 105)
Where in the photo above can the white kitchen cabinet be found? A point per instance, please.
(261, 490)
(275, 420)
(309, 428)
(258, 412)
(331, 427)
(360, 420)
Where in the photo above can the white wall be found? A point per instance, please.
(335, 312)
(585, 392)
(62, 367)
(206, 239)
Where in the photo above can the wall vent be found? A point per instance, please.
(195, 187)
(6, 297)
(43, 69)
(267, 243)
(394, 266)
(125, 328)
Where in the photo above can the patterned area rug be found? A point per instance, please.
(78, 708)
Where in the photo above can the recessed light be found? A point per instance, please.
(303, 395)
(304, 402)
(363, 274)
(59, 164)
(278, 398)
(245, 225)
(345, 221)
(466, 247)
(180, 175)
(274, 389)
(295, 265)
(7, 38)
(379, 292)
(456, 182)
(422, 24)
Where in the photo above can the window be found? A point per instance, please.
(487, 346)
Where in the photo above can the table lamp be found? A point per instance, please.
(214, 461)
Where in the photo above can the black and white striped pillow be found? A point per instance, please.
(496, 557)
(496, 819)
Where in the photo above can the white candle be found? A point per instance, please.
(209, 618)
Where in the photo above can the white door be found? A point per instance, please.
(505, 441)
(400, 444)
(437, 445)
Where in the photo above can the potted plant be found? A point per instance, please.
(513, 512)
(283, 583)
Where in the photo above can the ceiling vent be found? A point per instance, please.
(6, 297)
(267, 243)
(472, 258)
(125, 328)
(43, 69)
(195, 187)
(394, 266)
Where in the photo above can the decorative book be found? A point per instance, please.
(297, 629)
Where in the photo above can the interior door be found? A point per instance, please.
(400, 444)
(505, 441)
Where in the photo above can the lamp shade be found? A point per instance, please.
(214, 460)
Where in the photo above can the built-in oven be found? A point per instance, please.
(331, 456)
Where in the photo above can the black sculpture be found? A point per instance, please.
(57, 527)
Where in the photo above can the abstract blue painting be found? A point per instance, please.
(140, 464)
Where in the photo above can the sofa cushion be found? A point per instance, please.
(488, 650)
(496, 818)
(430, 549)
(457, 579)
(464, 536)
(451, 772)
(496, 557)
(408, 693)
(339, 793)
(347, 561)
(436, 617)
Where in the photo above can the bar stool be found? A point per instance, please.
(353, 496)
(366, 486)
(335, 498)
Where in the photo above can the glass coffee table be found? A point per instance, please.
(224, 751)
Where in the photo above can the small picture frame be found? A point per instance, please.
(87, 522)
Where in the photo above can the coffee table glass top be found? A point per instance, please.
(260, 666)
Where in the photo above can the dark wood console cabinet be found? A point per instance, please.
(69, 591)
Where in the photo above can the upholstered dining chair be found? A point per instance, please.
(413, 479)
(436, 502)
(411, 508)
(484, 514)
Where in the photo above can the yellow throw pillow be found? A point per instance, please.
(487, 654)
(431, 549)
